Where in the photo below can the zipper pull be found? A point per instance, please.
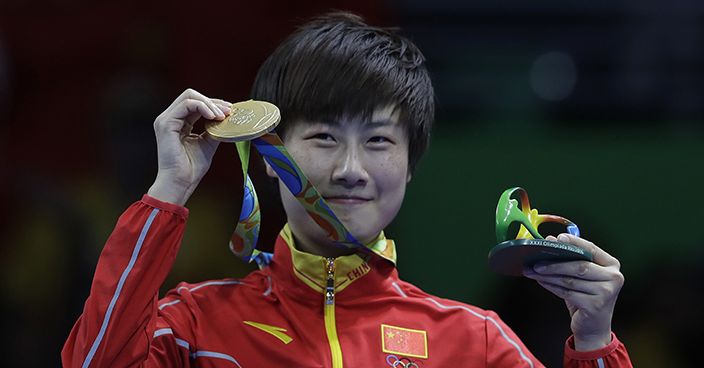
(330, 286)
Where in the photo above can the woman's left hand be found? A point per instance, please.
(589, 289)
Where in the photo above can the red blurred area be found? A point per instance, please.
(80, 85)
(64, 55)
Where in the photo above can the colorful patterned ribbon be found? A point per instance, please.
(244, 239)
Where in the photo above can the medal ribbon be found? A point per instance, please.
(244, 239)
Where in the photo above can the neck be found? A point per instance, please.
(326, 249)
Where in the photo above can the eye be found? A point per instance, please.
(323, 137)
(379, 140)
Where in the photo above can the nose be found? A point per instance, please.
(350, 169)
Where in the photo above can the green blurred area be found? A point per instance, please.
(632, 191)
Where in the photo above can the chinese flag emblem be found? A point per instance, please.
(404, 341)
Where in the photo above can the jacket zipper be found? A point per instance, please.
(329, 313)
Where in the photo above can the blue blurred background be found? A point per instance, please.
(596, 108)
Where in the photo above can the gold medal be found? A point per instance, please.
(248, 120)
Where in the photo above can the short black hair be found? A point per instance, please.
(337, 66)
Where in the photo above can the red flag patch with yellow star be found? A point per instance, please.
(404, 341)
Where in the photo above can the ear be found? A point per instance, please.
(270, 171)
(408, 177)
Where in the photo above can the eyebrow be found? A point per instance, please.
(367, 123)
(382, 122)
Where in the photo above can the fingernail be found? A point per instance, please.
(226, 109)
(563, 237)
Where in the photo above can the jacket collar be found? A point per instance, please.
(310, 269)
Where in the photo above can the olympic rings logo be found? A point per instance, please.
(397, 362)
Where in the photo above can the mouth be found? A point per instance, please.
(347, 200)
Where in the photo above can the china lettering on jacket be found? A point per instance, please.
(359, 271)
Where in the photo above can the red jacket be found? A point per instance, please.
(281, 316)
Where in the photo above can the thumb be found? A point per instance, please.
(208, 144)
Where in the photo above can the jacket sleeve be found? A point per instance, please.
(120, 325)
(505, 349)
(613, 355)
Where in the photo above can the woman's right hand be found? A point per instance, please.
(184, 157)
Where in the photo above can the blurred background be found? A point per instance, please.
(596, 108)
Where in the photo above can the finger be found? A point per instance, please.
(600, 256)
(195, 95)
(219, 114)
(209, 140)
(583, 286)
(221, 102)
(181, 117)
(186, 131)
(579, 299)
(192, 110)
(178, 99)
(208, 145)
(191, 94)
(186, 94)
(584, 270)
(223, 106)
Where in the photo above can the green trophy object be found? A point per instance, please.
(511, 256)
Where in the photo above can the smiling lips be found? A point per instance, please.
(347, 200)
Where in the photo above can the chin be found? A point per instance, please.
(364, 233)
